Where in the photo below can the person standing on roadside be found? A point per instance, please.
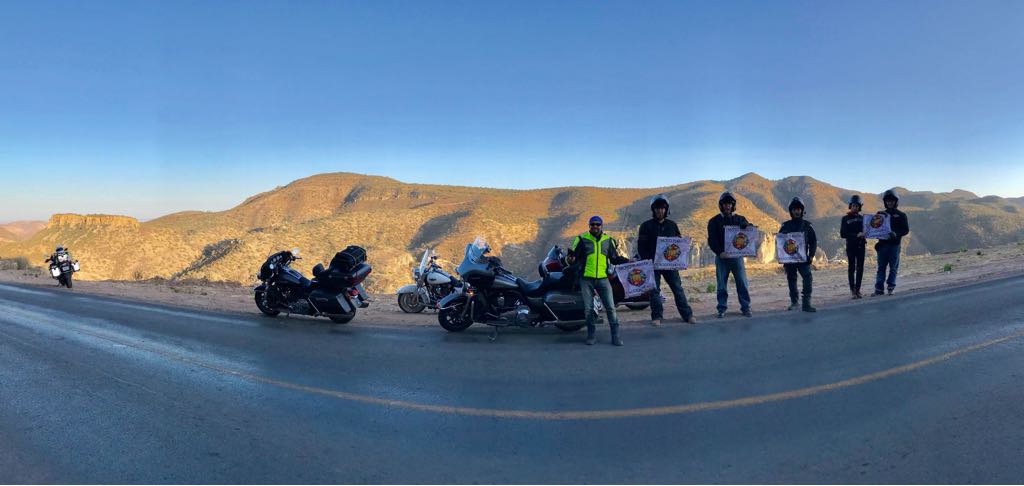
(597, 252)
(852, 230)
(889, 248)
(797, 224)
(647, 243)
(724, 265)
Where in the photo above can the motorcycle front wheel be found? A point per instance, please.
(454, 319)
(67, 280)
(263, 305)
(410, 303)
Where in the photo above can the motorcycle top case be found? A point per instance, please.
(349, 258)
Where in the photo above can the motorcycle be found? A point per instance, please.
(492, 295)
(335, 291)
(62, 268)
(431, 285)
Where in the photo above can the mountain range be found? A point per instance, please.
(396, 221)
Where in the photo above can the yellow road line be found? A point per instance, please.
(579, 414)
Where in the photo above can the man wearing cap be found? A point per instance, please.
(596, 252)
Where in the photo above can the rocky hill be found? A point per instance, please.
(395, 221)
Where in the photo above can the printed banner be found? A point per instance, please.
(671, 253)
(790, 248)
(877, 226)
(637, 278)
(741, 242)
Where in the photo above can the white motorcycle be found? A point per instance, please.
(431, 283)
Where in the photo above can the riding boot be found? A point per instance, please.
(615, 335)
(591, 339)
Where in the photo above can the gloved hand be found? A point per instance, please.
(892, 235)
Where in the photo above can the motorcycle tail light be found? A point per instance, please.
(353, 292)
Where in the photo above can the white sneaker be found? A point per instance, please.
(655, 322)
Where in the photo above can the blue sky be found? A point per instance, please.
(154, 107)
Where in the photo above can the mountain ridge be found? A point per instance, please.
(395, 220)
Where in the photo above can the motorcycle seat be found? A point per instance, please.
(532, 289)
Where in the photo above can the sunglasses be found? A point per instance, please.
(596, 224)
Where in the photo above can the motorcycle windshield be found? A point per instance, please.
(423, 262)
(474, 257)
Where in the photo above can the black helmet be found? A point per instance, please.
(59, 249)
(855, 199)
(726, 197)
(796, 203)
(890, 194)
(659, 201)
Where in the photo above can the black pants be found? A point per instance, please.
(805, 272)
(855, 265)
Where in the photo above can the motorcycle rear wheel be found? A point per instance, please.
(67, 280)
(453, 320)
(261, 304)
(410, 303)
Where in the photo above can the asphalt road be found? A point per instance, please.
(922, 388)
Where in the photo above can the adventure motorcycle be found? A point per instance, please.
(335, 291)
(62, 267)
(431, 285)
(494, 296)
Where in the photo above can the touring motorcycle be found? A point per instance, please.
(492, 295)
(62, 267)
(335, 291)
(431, 285)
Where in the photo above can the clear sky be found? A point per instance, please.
(151, 107)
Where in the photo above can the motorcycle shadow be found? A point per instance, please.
(514, 335)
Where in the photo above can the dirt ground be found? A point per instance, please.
(768, 289)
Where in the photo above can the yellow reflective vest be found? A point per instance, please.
(597, 251)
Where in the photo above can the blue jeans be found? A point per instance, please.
(676, 286)
(888, 255)
(723, 267)
(604, 291)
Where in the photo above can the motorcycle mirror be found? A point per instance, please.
(295, 250)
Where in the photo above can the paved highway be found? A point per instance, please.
(916, 388)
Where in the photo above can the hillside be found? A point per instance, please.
(394, 221)
(20, 230)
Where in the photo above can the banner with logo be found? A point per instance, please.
(877, 226)
(671, 253)
(790, 248)
(637, 278)
(741, 242)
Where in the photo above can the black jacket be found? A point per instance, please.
(850, 227)
(716, 230)
(899, 224)
(650, 230)
(810, 238)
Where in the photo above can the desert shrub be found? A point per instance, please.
(137, 275)
(980, 253)
(947, 267)
(710, 288)
(21, 263)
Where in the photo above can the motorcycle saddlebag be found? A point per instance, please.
(347, 259)
(566, 304)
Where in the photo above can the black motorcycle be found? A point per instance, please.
(335, 291)
(492, 295)
(62, 267)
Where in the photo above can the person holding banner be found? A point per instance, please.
(889, 248)
(852, 230)
(596, 252)
(797, 224)
(647, 242)
(723, 264)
